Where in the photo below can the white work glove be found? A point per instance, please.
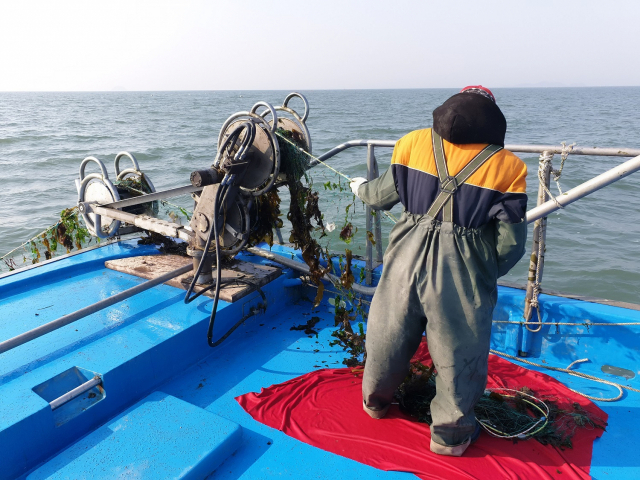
(355, 184)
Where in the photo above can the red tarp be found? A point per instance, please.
(324, 409)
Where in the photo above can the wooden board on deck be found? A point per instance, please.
(152, 266)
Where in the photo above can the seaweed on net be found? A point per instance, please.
(563, 424)
(166, 245)
(293, 162)
(267, 217)
(347, 279)
(136, 186)
(352, 342)
(304, 211)
(506, 415)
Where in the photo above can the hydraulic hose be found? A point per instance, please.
(188, 298)
(219, 202)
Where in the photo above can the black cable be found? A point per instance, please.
(216, 296)
(187, 298)
(219, 202)
(212, 318)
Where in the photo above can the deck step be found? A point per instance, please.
(159, 437)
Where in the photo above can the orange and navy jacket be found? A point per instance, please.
(496, 190)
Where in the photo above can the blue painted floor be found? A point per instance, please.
(263, 353)
(138, 344)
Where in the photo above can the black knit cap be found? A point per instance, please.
(468, 117)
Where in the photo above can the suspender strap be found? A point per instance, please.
(448, 184)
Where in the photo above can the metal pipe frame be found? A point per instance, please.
(86, 311)
(607, 178)
(371, 159)
(150, 197)
(604, 152)
(145, 222)
(542, 210)
(304, 268)
(595, 151)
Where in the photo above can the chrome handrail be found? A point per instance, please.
(573, 195)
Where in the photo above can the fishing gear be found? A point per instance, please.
(236, 200)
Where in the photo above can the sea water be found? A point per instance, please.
(593, 245)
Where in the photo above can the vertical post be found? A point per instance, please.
(536, 264)
(377, 234)
(369, 246)
(279, 236)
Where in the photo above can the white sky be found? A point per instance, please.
(323, 44)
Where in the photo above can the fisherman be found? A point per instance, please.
(463, 226)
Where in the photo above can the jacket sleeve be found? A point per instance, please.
(509, 214)
(511, 241)
(380, 194)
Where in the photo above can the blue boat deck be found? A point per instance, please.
(155, 343)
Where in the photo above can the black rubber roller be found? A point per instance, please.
(202, 178)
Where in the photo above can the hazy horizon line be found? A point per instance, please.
(125, 90)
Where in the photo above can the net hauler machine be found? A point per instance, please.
(246, 166)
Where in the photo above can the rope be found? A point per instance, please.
(566, 150)
(575, 374)
(543, 165)
(537, 287)
(544, 419)
(583, 324)
(389, 215)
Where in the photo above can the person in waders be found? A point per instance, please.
(463, 226)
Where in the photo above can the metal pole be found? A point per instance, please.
(536, 263)
(83, 312)
(353, 143)
(145, 222)
(369, 246)
(76, 392)
(605, 152)
(590, 186)
(378, 228)
(150, 197)
(303, 267)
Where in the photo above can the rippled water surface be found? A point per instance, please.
(593, 245)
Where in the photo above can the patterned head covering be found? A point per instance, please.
(465, 118)
(485, 92)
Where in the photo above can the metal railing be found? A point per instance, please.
(537, 214)
(544, 206)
